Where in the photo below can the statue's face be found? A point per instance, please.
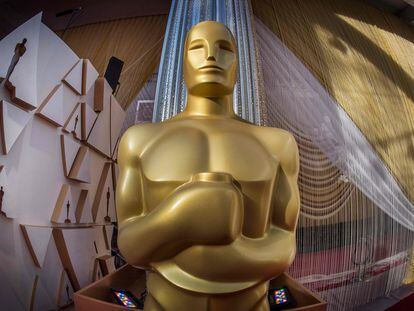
(210, 60)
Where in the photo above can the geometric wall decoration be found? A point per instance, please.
(90, 74)
(104, 201)
(106, 263)
(13, 120)
(88, 117)
(60, 89)
(75, 159)
(78, 249)
(99, 137)
(54, 61)
(117, 119)
(102, 94)
(37, 239)
(115, 173)
(70, 150)
(65, 259)
(8, 206)
(114, 154)
(73, 79)
(80, 170)
(58, 105)
(97, 272)
(52, 107)
(33, 293)
(80, 206)
(61, 213)
(46, 60)
(23, 79)
(107, 232)
(65, 291)
(74, 123)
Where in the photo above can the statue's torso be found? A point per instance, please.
(180, 148)
(171, 152)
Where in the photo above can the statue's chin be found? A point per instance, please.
(210, 89)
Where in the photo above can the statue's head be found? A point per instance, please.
(210, 60)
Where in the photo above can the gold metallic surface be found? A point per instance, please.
(205, 200)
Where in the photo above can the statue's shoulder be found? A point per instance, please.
(277, 140)
(139, 131)
(137, 137)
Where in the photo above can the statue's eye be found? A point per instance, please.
(224, 45)
(196, 46)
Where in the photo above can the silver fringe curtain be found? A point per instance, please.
(356, 228)
(171, 92)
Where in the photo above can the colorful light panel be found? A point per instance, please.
(125, 300)
(280, 296)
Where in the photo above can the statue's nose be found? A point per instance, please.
(211, 57)
(211, 53)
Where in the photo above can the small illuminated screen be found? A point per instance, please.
(125, 300)
(280, 296)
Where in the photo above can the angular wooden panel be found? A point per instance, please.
(101, 202)
(33, 293)
(89, 76)
(88, 117)
(37, 239)
(52, 107)
(100, 136)
(106, 263)
(80, 170)
(65, 291)
(46, 60)
(114, 155)
(58, 106)
(73, 79)
(82, 203)
(65, 258)
(97, 273)
(70, 150)
(115, 174)
(103, 94)
(23, 79)
(76, 249)
(107, 231)
(54, 61)
(7, 208)
(117, 120)
(66, 195)
(13, 120)
(74, 123)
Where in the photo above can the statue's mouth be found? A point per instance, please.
(211, 68)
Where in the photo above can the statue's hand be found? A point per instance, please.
(209, 209)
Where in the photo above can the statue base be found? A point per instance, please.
(97, 296)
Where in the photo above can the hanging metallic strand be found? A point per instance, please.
(171, 93)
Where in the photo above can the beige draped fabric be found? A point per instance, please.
(364, 59)
(136, 41)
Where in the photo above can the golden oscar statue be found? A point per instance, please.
(207, 202)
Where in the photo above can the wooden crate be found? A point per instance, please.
(97, 296)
